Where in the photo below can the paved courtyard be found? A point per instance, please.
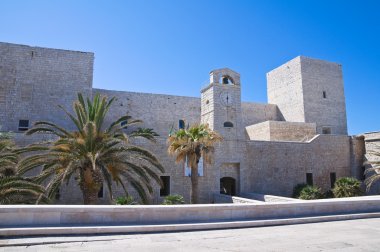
(353, 235)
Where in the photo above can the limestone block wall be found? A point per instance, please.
(284, 87)
(276, 167)
(324, 100)
(357, 149)
(253, 113)
(259, 131)
(35, 80)
(160, 112)
(281, 131)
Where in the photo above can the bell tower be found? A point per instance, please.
(221, 109)
(221, 103)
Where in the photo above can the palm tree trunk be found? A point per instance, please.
(90, 197)
(91, 183)
(194, 194)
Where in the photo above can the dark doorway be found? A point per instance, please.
(228, 186)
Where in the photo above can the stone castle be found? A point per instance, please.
(299, 137)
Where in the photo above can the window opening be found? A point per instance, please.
(309, 179)
(23, 125)
(165, 188)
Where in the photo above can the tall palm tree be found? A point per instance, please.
(93, 153)
(190, 145)
(13, 188)
(374, 170)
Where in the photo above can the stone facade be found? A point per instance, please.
(267, 148)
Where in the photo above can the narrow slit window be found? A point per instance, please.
(165, 187)
(332, 179)
(324, 95)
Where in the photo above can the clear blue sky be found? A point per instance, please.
(170, 46)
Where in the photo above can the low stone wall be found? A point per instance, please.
(70, 215)
(267, 197)
(222, 198)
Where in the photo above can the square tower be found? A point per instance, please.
(311, 91)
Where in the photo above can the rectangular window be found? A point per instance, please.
(23, 125)
(332, 179)
(324, 95)
(309, 179)
(181, 124)
(326, 130)
(101, 192)
(165, 188)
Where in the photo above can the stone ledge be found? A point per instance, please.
(75, 230)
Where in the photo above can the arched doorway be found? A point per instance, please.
(228, 186)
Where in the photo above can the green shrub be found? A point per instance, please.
(310, 193)
(174, 199)
(126, 200)
(297, 190)
(347, 187)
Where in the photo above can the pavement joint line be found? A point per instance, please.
(161, 228)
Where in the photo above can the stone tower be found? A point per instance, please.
(310, 90)
(221, 109)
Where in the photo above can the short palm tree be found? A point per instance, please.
(13, 188)
(374, 170)
(190, 145)
(93, 153)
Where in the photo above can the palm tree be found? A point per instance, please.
(13, 188)
(374, 170)
(190, 145)
(93, 153)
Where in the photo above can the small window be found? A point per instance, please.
(228, 125)
(326, 130)
(101, 192)
(23, 125)
(165, 188)
(181, 124)
(309, 179)
(332, 179)
(324, 94)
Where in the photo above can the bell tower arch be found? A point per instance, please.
(221, 103)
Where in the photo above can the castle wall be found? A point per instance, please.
(281, 131)
(35, 80)
(276, 167)
(253, 113)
